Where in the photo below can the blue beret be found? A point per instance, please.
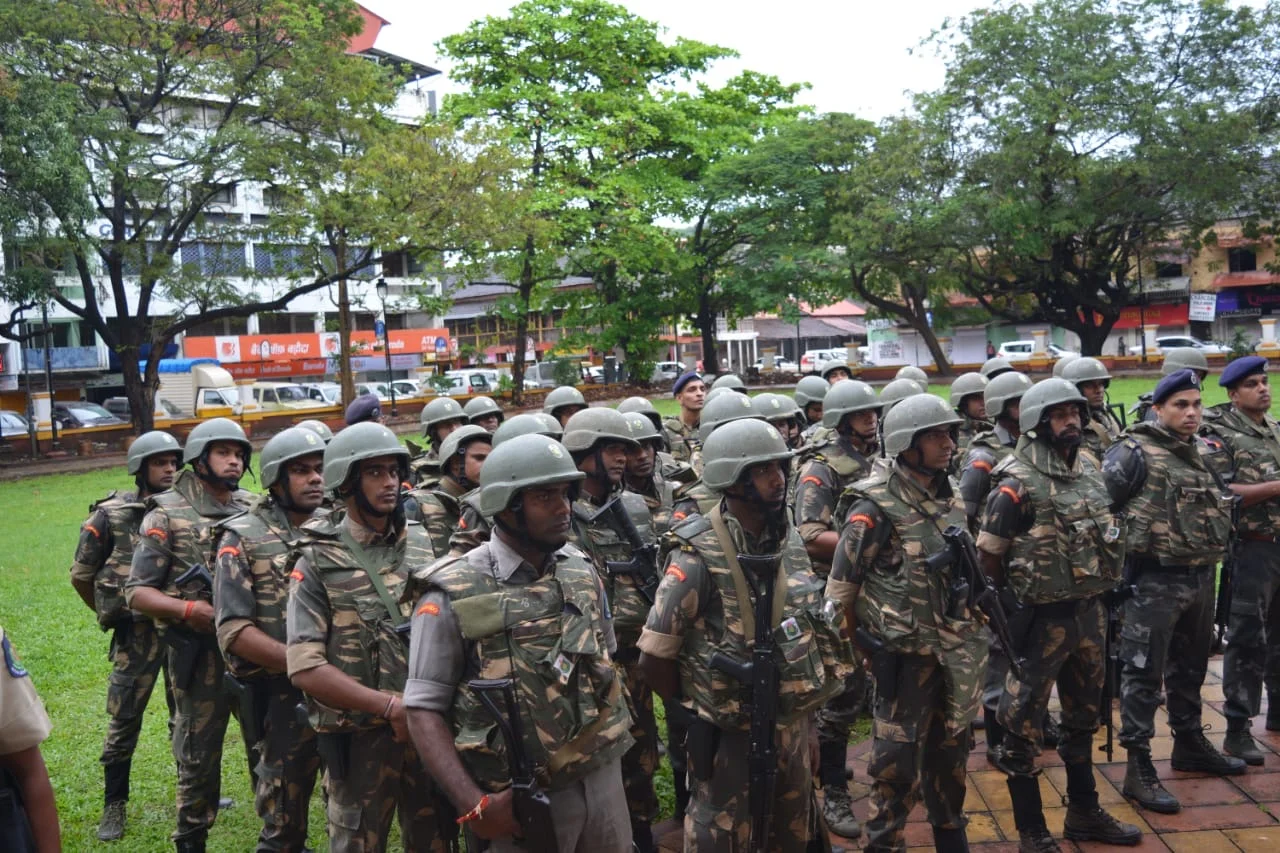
(363, 408)
(683, 380)
(1180, 380)
(1240, 368)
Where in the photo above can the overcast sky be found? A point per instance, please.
(857, 56)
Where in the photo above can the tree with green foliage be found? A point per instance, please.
(1086, 131)
(578, 89)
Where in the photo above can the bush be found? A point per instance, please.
(566, 372)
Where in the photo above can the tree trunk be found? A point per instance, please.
(344, 327)
(707, 326)
(141, 394)
(522, 323)
(935, 349)
(1092, 337)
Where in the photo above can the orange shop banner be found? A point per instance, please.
(235, 349)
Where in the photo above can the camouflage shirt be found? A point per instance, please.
(424, 469)
(1053, 524)
(601, 534)
(986, 450)
(692, 499)
(1099, 433)
(681, 439)
(659, 495)
(105, 553)
(1178, 515)
(251, 584)
(336, 615)
(824, 475)
(180, 522)
(969, 427)
(437, 509)
(473, 528)
(1255, 458)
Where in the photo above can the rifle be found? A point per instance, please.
(532, 806)
(188, 646)
(971, 588)
(642, 566)
(250, 697)
(1114, 602)
(761, 674)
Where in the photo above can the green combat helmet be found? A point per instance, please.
(846, 397)
(1184, 358)
(211, 432)
(729, 406)
(440, 410)
(1086, 369)
(775, 407)
(913, 416)
(367, 440)
(832, 366)
(455, 444)
(994, 366)
(1060, 366)
(320, 428)
(585, 429)
(735, 447)
(481, 407)
(1002, 390)
(810, 390)
(910, 371)
(558, 398)
(524, 462)
(526, 424)
(732, 381)
(643, 406)
(150, 444)
(967, 384)
(284, 447)
(890, 395)
(642, 429)
(1043, 396)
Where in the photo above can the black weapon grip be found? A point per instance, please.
(507, 720)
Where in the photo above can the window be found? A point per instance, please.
(1168, 269)
(223, 194)
(214, 258)
(278, 259)
(212, 398)
(1242, 260)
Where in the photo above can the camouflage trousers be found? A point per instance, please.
(834, 721)
(201, 711)
(287, 767)
(137, 658)
(913, 756)
(718, 820)
(641, 760)
(590, 816)
(385, 779)
(1252, 657)
(997, 672)
(1167, 633)
(1063, 646)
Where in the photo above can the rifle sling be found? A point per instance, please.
(740, 580)
(375, 578)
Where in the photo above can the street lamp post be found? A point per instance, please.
(381, 287)
(1142, 311)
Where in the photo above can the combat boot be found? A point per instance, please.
(1193, 753)
(1085, 823)
(1038, 839)
(837, 811)
(111, 827)
(1273, 712)
(1239, 742)
(1028, 816)
(1143, 786)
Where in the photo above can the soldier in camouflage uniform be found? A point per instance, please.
(723, 406)
(1175, 359)
(681, 431)
(667, 465)
(968, 401)
(1252, 658)
(835, 371)
(809, 395)
(852, 413)
(439, 417)
(1179, 526)
(928, 671)
(563, 403)
(1090, 376)
(527, 606)
(896, 391)
(613, 527)
(177, 537)
(250, 592)
(643, 475)
(348, 624)
(483, 412)
(696, 497)
(99, 573)
(1050, 537)
(706, 605)
(782, 414)
(1001, 398)
(439, 508)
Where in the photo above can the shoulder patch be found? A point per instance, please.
(864, 518)
(1012, 493)
(297, 575)
(11, 662)
(430, 608)
(677, 573)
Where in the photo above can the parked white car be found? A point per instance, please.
(780, 364)
(812, 361)
(1165, 342)
(1017, 350)
(328, 393)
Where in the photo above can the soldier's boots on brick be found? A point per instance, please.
(1192, 752)
(837, 812)
(1143, 786)
(950, 841)
(1240, 743)
(1028, 816)
(111, 827)
(1093, 823)
(1038, 839)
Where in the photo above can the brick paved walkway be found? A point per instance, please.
(1241, 813)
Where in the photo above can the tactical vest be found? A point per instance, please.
(363, 641)
(660, 499)
(439, 511)
(969, 429)
(124, 513)
(902, 601)
(597, 533)
(697, 498)
(1255, 451)
(1075, 547)
(1100, 431)
(473, 527)
(846, 468)
(811, 655)
(989, 441)
(424, 469)
(265, 540)
(681, 440)
(548, 636)
(1180, 516)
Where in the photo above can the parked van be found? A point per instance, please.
(198, 386)
(283, 397)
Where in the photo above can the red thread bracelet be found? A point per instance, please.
(186, 613)
(476, 813)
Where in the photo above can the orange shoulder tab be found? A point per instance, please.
(429, 608)
(864, 518)
(676, 572)
(1012, 493)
